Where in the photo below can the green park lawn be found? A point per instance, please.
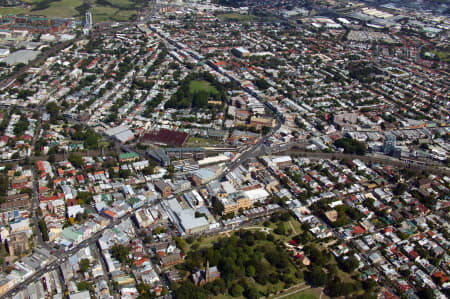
(285, 238)
(443, 55)
(236, 17)
(63, 9)
(289, 269)
(121, 3)
(12, 10)
(301, 293)
(206, 242)
(123, 15)
(201, 85)
(109, 10)
(306, 294)
(301, 296)
(199, 142)
(281, 228)
(107, 13)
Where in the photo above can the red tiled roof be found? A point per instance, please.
(443, 278)
(71, 202)
(141, 261)
(388, 295)
(109, 213)
(404, 287)
(50, 198)
(358, 230)
(413, 254)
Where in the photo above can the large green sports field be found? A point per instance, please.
(236, 17)
(102, 10)
(197, 86)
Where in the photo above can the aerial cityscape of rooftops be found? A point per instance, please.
(224, 149)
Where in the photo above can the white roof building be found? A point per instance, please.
(72, 211)
(4, 52)
(256, 195)
(80, 295)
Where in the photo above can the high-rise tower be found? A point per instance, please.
(88, 20)
(389, 144)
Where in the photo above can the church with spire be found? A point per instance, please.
(204, 276)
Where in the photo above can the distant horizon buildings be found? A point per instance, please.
(33, 24)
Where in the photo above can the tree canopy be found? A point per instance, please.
(351, 146)
(245, 256)
(262, 84)
(120, 252)
(76, 160)
(188, 97)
